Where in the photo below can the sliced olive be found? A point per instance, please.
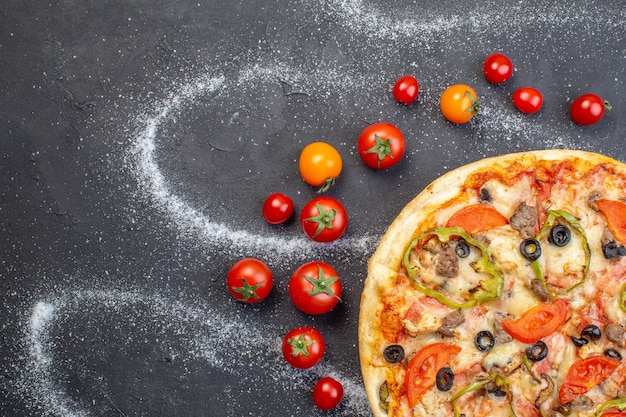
(610, 250)
(591, 332)
(393, 353)
(485, 196)
(579, 341)
(445, 379)
(612, 353)
(537, 352)
(462, 249)
(530, 249)
(560, 235)
(484, 341)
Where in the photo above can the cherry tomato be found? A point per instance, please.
(537, 322)
(327, 393)
(277, 208)
(406, 89)
(527, 100)
(320, 163)
(303, 347)
(315, 288)
(588, 109)
(459, 103)
(585, 374)
(249, 280)
(324, 219)
(422, 370)
(497, 68)
(381, 145)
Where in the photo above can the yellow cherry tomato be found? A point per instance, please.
(459, 103)
(320, 164)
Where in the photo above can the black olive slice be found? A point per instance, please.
(591, 332)
(612, 353)
(560, 235)
(579, 341)
(393, 353)
(610, 250)
(485, 196)
(530, 249)
(537, 352)
(484, 341)
(445, 379)
(462, 249)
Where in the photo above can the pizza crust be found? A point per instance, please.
(384, 264)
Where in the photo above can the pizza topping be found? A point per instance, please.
(445, 379)
(530, 249)
(549, 224)
(614, 332)
(537, 352)
(615, 214)
(538, 322)
(560, 235)
(422, 370)
(495, 383)
(383, 396)
(612, 353)
(612, 250)
(484, 340)
(485, 195)
(477, 218)
(591, 332)
(500, 334)
(585, 374)
(462, 249)
(488, 289)
(539, 289)
(451, 321)
(393, 353)
(579, 341)
(618, 403)
(525, 220)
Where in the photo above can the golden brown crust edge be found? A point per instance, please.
(385, 262)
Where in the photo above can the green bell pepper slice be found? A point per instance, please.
(489, 289)
(543, 233)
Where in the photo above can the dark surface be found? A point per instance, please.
(113, 293)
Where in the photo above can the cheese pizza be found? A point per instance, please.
(500, 290)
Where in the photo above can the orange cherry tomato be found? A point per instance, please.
(422, 371)
(539, 321)
(615, 214)
(477, 218)
(459, 103)
(585, 374)
(320, 163)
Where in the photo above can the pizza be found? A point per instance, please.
(500, 290)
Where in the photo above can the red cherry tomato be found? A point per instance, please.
(381, 145)
(588, 109)
(327, 393)
(324, 219)
(315, 288)
(303, 347)
(406, 89)
(249, 280)
(497, 68)
(527, 100)
(277, 208)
